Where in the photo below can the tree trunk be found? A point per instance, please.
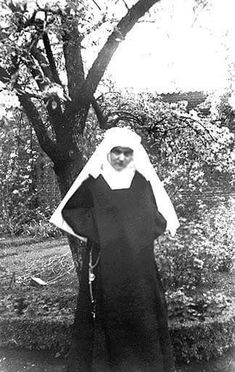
(65, 180)
(67, 170)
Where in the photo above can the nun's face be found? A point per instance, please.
(119, 157)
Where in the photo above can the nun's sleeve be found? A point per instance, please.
(78, 212)
(160, 222)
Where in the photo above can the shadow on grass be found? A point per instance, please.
(27, 361)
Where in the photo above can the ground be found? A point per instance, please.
(28, 361)
(50, 260)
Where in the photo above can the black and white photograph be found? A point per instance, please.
(117, 186)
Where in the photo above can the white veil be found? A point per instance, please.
(125, 138)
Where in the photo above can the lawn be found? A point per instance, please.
(28, 361)
(50, 260)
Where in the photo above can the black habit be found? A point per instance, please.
(130, 323)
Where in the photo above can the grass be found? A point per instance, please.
(18, 360)
(50, 261)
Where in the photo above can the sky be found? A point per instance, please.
(181, 50)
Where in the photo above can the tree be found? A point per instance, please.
(39, 41)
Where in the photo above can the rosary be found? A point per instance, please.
(91, 279)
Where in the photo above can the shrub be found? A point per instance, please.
(182, 307)
(195, 340)
(34, 223)
(41, 229)
(190, 262)
(200, 249)
(202, 340)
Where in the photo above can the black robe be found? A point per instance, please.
(130, 326)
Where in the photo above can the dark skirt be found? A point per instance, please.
(129, 332)
(131, 336)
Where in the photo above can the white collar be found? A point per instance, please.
(118, 179)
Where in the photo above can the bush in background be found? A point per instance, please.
(199, 249)
(190, 261)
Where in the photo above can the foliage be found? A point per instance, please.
(52, 334)
(189, 151)
(190, 262)
(41, 229)
(20, 165)
(200, 249)
(182, 307)
(203, 340)
(38, 305)
(17, 167)
(222, 107)
(200, 341)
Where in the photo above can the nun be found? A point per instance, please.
(119, 207)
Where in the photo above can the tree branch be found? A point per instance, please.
(188, 117)
(100, 64)
(42, 61)
(50, 58)
(53, 102)
(125, 115)
(96, 4)
(99, 114)
(56, 117)
(73, 58)
(4, 76)
(38, 73)
(124, 2)
(33, 115)
(118, 115)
